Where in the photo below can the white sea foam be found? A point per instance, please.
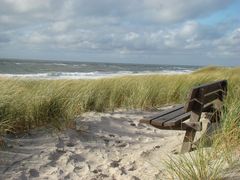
(59, 64)
(91, 75)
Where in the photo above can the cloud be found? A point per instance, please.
(228, 45)
(37, 38)
(22, 6)
(120, 27)
(4, 39)
(29, 12)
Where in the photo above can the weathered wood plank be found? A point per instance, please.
(161, 120)
(192, 103)
(208, 108)
(182, 127)
(147, 120)
(177, 120)
(170, 127)
(195, 116)
(194, 96)
(212, 96)
(190, 100)
(188, 140)
(197, 126)
(213, 86)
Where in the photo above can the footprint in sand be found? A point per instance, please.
(76, 158)
(54, 156)
(33, 173)
(123, 171)
(149, 151)
(101, 176)
(83, 169)
(67, 176)
(106, 141)
(135, 178)
(70, 144)
(119, 143)
(122, 145)
(145, 153)
(175, 151)
(111, 135)
(131, 123)
(156, 147)
(115, 164)
(132, 166)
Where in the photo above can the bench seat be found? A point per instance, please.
(166, 117)
(173, 118)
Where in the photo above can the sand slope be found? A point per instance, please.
(104, 146)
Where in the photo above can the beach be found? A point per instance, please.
(109, 145)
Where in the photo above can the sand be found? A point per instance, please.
(103, 146)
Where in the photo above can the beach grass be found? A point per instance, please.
(199, 165)
(25, 104)
(221, 161)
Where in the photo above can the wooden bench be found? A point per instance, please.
(205, 98)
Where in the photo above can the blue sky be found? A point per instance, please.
(222, 15)
(199, 32)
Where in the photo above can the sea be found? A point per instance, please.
(43, 69)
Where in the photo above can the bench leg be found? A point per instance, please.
(206, 137)
(211, 124)
(188, 140)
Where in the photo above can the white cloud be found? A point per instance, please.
(60, 26)
(125, 27)
(23, 6)
(189, 29)
(36, 38)
(131, 36)
(228, 45)
(185, 38)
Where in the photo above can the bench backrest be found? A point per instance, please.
(206, 94)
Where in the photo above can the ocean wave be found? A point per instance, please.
(92, 75)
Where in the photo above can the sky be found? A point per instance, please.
(187, 32)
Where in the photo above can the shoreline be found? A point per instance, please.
(90, 75)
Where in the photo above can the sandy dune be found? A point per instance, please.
(104, 146)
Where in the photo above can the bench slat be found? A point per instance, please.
(161, 120)
(207, 99)
(177, 120)
(208, 108)
(207, 88)
(212, 96)
(193, 95)
(162, 113)
(210, 87)
(165, 112)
